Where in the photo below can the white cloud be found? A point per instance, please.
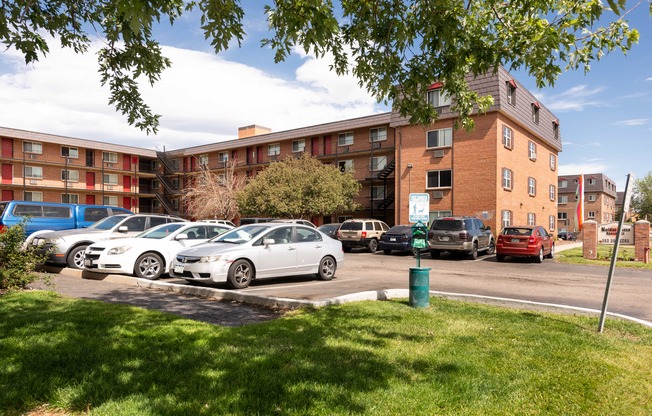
(203, 98)
(648, 79)
(578, 168)
(575, 99)
(632, 122)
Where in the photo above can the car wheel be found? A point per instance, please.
(492, 247)
(474, 252)
(500, 257)
(327, 267)
(76, 257)
(539, 258)
(434, 254)
(551, 255)
(373, 246)
(346, 249)
(149, 266)
(387, 251)
(240, 274)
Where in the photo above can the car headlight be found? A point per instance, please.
(51, 240)
(118, 250)
(210, 259)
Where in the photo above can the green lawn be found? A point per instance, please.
(625, 257)
(368, 358)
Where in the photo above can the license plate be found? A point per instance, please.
(392, 239)
(515, 240)
(444, 238)
(178, 268)
(88, 262)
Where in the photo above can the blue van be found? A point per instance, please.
(53, 215)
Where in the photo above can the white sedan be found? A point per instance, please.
(148, 254)
(260, 251)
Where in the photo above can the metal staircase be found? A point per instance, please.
(387, 202)
(387, 170)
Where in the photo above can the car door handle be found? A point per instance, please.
(291, 248)
(318, 246)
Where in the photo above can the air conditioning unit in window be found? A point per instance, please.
(437, 194)
(33, 182)
(438, 153)
(32, 156)
(109, 188)
(376, 145)
(345, 149)
(110, 165)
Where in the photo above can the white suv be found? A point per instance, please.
(361, 233)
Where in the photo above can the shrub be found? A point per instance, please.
(17, 263)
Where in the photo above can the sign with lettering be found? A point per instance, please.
(419, 208)
(607, 233)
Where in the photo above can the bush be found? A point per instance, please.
(17, 263)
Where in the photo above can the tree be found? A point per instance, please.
(642, 197)
(396, 49)
(213, 195)
(299, 188)
(17, 263)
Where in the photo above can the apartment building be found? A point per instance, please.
(599, 200)
(504, 171)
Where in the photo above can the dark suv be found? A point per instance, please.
(460, 235)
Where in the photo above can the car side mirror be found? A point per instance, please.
(123, 229)
(488, 228)
(268, 241)
(181, 237)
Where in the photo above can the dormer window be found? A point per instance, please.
(511, 92)
(555, 129)
(535, 112)
(437, 97)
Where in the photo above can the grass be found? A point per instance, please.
(625, 257)
(371, 358)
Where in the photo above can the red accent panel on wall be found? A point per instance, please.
(314, 146)
(126, 162)
(90, 180)
(126, 183)
(7, 195)
(126, 202)
(7, 173)
(7, 147)
(90, 199)
(327, 145)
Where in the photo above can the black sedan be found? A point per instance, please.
(330, 229)
(397, 238)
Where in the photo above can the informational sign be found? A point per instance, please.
(607, 233)
(419, 208)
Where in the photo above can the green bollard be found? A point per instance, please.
(419, 287)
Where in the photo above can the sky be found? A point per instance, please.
(605, 115)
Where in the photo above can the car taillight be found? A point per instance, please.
(339, 234)
(364, 234)
(501, 238)
(531, 240)
(405, 238)
(464, 236)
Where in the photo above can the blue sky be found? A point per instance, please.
(605, 115)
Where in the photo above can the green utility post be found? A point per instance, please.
(419, 277)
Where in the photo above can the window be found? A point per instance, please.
(345, 139)
(345, 165)
(592, 198)
(507, 179)
(439, 214)
(506, 218)
(34, 172)
(34, 196)
(508, 135)
(591, 214)
(591, 181)
(439, 179)
(552, 192)
(531, 218)
(377, 163)
(563, 199)
(71, 152)
(378, 192)
(531, 186)
(111, 157)
(378, 134)
(553, 162)
(532, 150)
(223, 157)
(70, 175)
(110, 200)
(273, 149)
(70, 198)
(563, 183)
(299, 145)
(203, 160)
(90, 157)
(555, 129)
(439, 138)
(33, 147)
(437, 98)
(535, 112)
(511, 92)
(562, 216)
(551, 222)
(111, 179)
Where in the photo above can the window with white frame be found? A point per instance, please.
(535, 113)
(34, 172)
(508, 137)
(109, 157)
(532, 150)
(377, 163)
(439, 179)
(33, 147)
(507, 178)
(552, 192)
(33, 196)
(553, 162)
(110, 179)
(273, 149)
(551, 222)
(378, 134)
(592, 197)
(70, 152)
(563, 183)
(437, 98)
(70, 198)
(203, 160)
(223, 157)
(531, 186)
(590, 181)
(506, 218)
(531, 218)
(345, 165)
(378, 192)
(591, 214)
(563, 199)
(511, 92)
(70, 175)
(111, 200)
(345, 139)
(439, 138)
(299, 145)
(563, 216)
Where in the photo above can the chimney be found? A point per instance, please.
(252, 130)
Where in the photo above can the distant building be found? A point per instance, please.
(599, 200)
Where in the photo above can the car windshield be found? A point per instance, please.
(240, 235)
(108, 222)
(161, 231)
(447, 225)
(351, 226)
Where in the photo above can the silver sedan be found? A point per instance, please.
(260, 251)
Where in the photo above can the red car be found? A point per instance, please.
(525, 241)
